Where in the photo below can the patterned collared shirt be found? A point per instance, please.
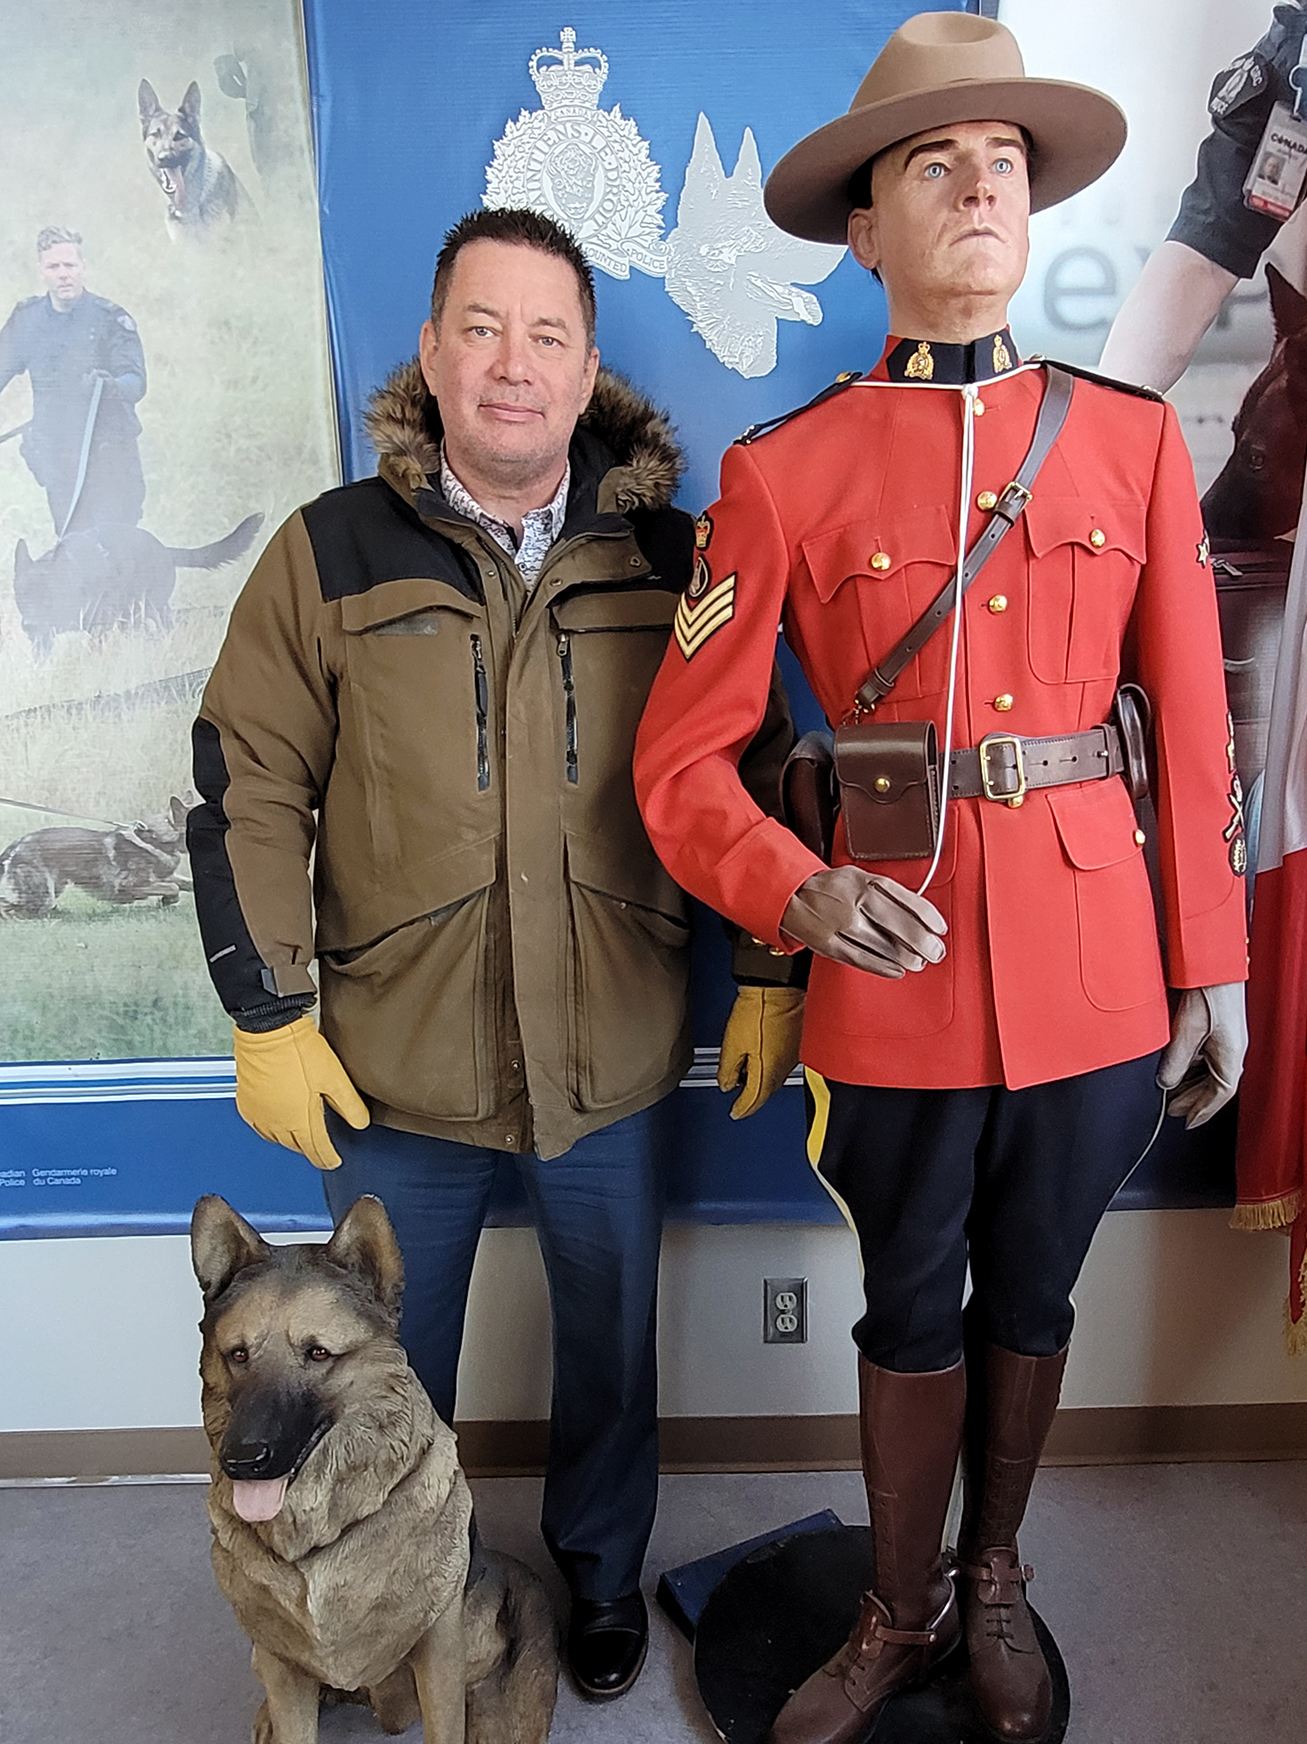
(540, 527)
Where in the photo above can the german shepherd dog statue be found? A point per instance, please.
(113, 577)
(200, 186)
(342, 1524)
(1256, 497)
(129, 864)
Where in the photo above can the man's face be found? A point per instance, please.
(510, 366)
(63, 272)
(949, 214)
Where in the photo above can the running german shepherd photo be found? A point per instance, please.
(200, 186)
(342, 1525)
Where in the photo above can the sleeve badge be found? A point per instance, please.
(1204, 551)
(703, 609)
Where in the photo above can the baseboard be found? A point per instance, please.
(1120, 1435)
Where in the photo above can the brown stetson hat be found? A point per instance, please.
(937, 69)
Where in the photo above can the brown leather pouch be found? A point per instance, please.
(809, 801)
(889, 783)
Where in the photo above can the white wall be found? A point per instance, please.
(1174, 1309)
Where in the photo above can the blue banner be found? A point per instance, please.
(649, 130)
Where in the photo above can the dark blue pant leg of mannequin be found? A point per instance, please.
(598, 1211)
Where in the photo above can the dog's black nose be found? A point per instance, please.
(247, 1459)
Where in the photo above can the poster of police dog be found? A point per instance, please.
(165, 401)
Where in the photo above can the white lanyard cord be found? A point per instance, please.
(964, 515)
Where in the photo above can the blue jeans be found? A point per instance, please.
(597, 1211)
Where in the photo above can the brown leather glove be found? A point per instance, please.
(865, 920)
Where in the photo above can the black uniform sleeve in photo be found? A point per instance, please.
(1213, 219)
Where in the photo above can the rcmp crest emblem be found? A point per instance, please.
(585, 166)
(725, 263)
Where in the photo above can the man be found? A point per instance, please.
(447, 664)
(983, 1029)
(83, 355)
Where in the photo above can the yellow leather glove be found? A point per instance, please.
(282, 1077)
(761, 1045)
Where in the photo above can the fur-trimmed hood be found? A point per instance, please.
(640, 455)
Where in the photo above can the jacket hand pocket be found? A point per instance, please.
(411, 1014)
(629, 975)
(1120, 962)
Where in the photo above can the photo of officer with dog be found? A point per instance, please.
(164, 401)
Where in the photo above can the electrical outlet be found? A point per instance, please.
(785, 1311)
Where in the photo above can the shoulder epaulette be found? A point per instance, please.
(1104, 381)
(27, 302)
(845, 379)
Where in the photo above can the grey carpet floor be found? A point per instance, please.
(1178, 1595)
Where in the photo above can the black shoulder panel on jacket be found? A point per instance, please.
(666, 536)
(1104, 381)
(366, 533)
(845, 379)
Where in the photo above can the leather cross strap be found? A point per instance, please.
(1053, 408)
(1004, 767)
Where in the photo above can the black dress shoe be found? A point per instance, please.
(606, 1645)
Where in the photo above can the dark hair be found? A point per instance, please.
(55, 236)
(858, 186)
(526, 230)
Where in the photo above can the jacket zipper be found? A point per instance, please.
(569, 700)
(483, 715)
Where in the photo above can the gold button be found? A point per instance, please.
(1140, 838)
(880, 560)
(1098, 538)
(882, 784)
(987, 500)
(998, 603)
(1003, 703)
(980, 408)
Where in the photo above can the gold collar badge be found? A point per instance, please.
(1002, 357)
(921, 365)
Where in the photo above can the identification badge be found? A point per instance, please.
(1275, 182)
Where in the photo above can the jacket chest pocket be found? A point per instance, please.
(1084, 570)
(881, 575)
(418, 665)
(606, 647)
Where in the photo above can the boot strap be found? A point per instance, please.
(878, 1630)
(985, 1571)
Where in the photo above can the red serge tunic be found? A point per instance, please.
(840, 527)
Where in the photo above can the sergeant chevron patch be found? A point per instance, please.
(696, 620)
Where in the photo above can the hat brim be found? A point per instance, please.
(1077, 134)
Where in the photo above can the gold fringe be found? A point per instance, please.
(1295, 1334)
(1269, 1213)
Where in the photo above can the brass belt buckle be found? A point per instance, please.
(1010, 796)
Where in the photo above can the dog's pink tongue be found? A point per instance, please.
(258, 1500)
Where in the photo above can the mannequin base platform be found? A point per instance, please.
(786, 1608)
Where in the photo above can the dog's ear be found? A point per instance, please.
(178, 811)
(148, 104)
(189, 109)
(364, 1243)
(222, 1244)
(1288, 306)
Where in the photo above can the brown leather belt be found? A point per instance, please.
(1003, 767)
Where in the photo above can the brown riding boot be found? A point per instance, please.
(1010, 1404)
(911, 1433)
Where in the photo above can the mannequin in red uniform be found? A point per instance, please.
(983, 1055)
